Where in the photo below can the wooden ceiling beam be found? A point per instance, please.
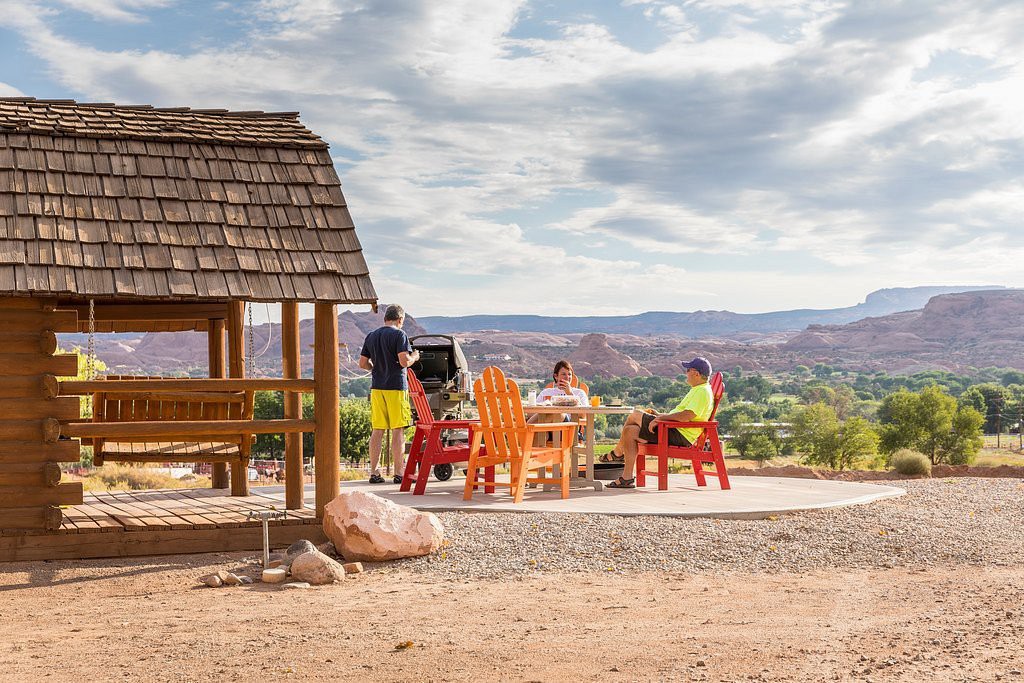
(154, 312)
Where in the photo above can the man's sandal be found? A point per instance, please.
(611, 457)
(621, 483)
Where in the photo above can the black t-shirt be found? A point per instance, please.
(382, 346)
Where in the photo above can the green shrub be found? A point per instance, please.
(906, 461)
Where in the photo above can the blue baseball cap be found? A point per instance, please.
(699, 364)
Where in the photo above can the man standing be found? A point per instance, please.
(696, 406)
(386, 354)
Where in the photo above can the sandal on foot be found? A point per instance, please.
(611, 457)
(397, 479)
(621, 483)
(375, 478)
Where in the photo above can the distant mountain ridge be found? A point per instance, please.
(701, 323)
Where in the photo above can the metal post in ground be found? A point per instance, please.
(265, 516)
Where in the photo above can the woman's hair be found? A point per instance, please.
(562, 364)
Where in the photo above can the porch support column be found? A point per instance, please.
(236, 368)
(293, 475)
(218, 370)
(328, 434)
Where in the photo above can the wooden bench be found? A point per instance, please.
(176, 406)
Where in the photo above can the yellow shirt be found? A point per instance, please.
(701, 401)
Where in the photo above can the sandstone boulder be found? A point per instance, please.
(368, 528)
(316, 569)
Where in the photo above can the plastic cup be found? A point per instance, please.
(595, 401)
(531, 398)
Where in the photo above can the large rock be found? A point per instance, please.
(368, 528)
(316, 569)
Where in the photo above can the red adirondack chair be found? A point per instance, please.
(696, 454)
(427, 449)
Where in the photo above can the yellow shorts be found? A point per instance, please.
(389, 409)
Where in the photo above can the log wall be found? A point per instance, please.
(30, 414)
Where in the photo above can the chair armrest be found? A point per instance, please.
(550, 426)
(687, 425)
(455, 424)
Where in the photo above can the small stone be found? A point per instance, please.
(246, 580)
(232, 580)
(276, 575)
(328, 549)
(299, 548)
(275, 563)
(213, 581)
(353, 567)
(701, 662)
(294, 585)
(317, 569)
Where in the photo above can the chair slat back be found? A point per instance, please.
(502, 422)
(717, 390)
(419, 400)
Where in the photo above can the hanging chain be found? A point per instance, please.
(90, 354)
(90, 358)
(251, 351)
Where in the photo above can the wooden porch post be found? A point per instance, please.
(218, 370)
(293, 478)
(236, 368)
(328, 435)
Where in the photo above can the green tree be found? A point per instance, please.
(932, 423)
(826, 441)
(355, 430)
(268, 405)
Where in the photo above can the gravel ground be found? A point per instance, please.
(938, 522)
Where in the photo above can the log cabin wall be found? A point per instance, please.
(30, 415)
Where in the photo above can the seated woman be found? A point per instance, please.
(562, 386)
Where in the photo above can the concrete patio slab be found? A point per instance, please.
(749, 498)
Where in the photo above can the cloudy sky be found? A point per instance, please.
(605, 157)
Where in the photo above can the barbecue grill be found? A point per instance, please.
(444, 374)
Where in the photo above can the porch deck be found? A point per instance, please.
(161, 522)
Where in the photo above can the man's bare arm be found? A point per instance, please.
(405, 359)
(365, 363)
(684, 416)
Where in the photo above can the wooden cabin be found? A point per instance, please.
(139, 219)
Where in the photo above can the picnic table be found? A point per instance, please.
(589, 413)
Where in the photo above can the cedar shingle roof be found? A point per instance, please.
(135, 202)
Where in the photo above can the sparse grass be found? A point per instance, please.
(117, 477)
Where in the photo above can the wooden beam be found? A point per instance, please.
(46, 429)
(29, 386)
(152, 312)
(29, 474)
(36, 321)
(27, 303)
(325, 374)
(177, 396)
(69, 493)
(79, 388)
(22, 364)
(236, 368)
(197, 429)
(35, 451)
(48, 517)
(44, 342)
(63, 408)
(139, 543)
(218, 369)
(294, 491)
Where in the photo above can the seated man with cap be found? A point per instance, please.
(640, 425)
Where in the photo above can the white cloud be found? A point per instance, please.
(875, 147)
(116, 10)
(9, 91)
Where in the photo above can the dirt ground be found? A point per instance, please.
(146, 619)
